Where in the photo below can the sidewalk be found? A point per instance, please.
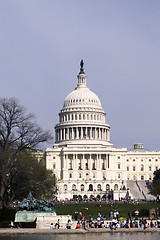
(31, 231)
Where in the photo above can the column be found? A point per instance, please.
(72, 132)
(77, 133)
(60, 134)
(81, 132)
(89, 162)
(105, 134)
(90, 132)
(108, 136)
(64, 134)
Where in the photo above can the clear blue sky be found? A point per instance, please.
(43, 41)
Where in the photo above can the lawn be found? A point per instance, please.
(104, 208)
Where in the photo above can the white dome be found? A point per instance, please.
(82, 96)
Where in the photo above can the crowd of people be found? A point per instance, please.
(117, 222)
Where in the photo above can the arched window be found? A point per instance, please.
(99, 187)
(142, 167)
(90, 187)
(83, 116)
(82, 187)
(73, 187)
(116, 187)
(107, 187)
(79, 116)
(65, 187)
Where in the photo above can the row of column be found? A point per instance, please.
(81, 116)
(72, 133)
(86, 162)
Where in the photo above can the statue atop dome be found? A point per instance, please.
(82, 68)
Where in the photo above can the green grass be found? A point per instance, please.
(104, 208)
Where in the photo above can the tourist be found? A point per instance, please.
(57, 225)
(78, 225)
(110, 226)
(11, 225)
(136, 214)
(151, 224)
(69, 224)
(129, 215)
(158, 223)
(111, 215)
(114, 223)
(51, 226)
(107, 225)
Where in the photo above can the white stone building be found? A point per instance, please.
(86, 162)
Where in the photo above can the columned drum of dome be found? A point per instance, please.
(82, 117)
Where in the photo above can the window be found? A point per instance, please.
(73, 187)
(53, 157)
(118, 157)
(141, 160)
(156, 160)
(94, 175)
(142, 167)
(142, 177)
(107, 187)
(116, 187)
(156, 168)
(119, 165)
(90, 187)
(65, 187)
(104, 176)
(82, 187)
(127, 160)
(134, 168)
(70, 175)
(99, 187)
(54, 165)
(127, 168)
(150, 168)
(133, 160)
(119, 175)
(80, 175)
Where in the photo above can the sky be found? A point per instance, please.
(43, 41)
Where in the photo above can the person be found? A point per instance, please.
(136, 214)
(78, 225)
(110, 226)
(11, 225)
(114, 223)
(51, 226)
(76, 215)
(57, 225)
(69, 224)
(129, 215)
(111, 215)
(121, 222)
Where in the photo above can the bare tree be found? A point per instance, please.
(19, 135)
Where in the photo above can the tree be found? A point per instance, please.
(156, 183)
(20, 140)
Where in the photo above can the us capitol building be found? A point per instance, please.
(84, 160)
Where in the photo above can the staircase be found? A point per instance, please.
(145, 189)
(135, 190)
